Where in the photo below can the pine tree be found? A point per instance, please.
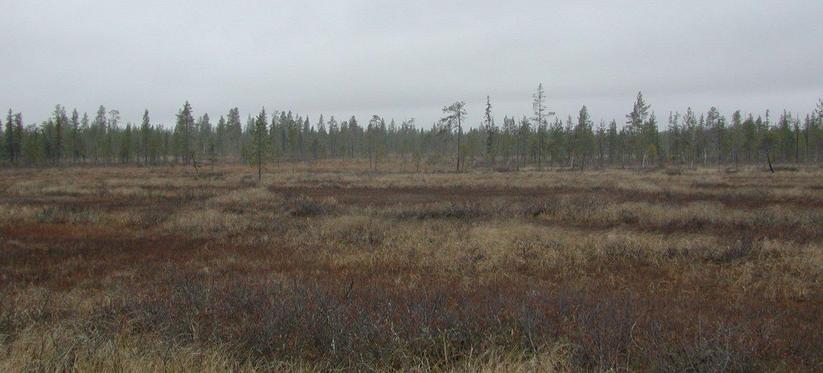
(372, 138)
(785, 137)
(334, 133)
(145, 135)
(17, 142)
(320, 141)
(113, 127)
(354, 134)
(690, 141)
(612, 141)
(455, 114)
(99, 132)
(522, 140)
(234, 131)
(74, 136)
(735, 137)
(10, 138)
(600, 137)
(651, 139)
(60, 122)
(204, 134)
(125, 145)
(220, 137)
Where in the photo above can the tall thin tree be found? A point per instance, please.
(145, 133)
(540, 119)
(185, 123)
(491, 131)
(10, 138)
(260, 136)
(455, 113)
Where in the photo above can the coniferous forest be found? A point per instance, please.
(540, 139)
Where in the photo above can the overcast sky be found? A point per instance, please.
(407, 59)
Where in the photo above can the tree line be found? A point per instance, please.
(540, 140)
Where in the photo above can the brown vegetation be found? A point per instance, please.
(161, 268)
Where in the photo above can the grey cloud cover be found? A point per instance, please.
(408, 59)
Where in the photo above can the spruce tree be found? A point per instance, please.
(260, 136)
(491, 131)
(185, 123)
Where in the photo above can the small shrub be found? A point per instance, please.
(629, 217)
(61, 215)
(357, 231)
(304, 207)
(786, 169)
(616, 249)
(549, 206)
(582, 206)
(211, 176)
(206, 222)
(450, 210)
(740, 250)
(711, 185)
(248, 181)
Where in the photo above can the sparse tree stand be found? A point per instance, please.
(455, 113)
(690, 139)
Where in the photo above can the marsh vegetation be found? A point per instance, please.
(330, 266)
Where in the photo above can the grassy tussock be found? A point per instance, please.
(206, 222)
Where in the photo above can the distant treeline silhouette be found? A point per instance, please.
(540, 139)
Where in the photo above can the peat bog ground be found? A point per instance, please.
(133, 268)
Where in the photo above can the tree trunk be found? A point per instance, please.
(259, 165)
(459, 133)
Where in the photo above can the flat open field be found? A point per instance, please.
(162, 268)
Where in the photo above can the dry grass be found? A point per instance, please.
(316, 268)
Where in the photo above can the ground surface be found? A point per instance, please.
(162, 268)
